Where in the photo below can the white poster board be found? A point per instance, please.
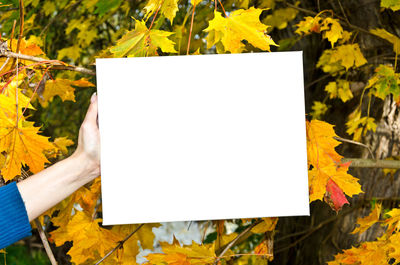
(202, 137)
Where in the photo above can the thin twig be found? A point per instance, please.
(120, 244)
(344, 14)
(356, 143)
(190, 32)
(12, 34)
(45, 242)
(232, 243)
(16, 96)
(4, 64)
(311, 230)
(345, 23)
(21, 24)
(223, 9)
(57, 65)
(21, 28)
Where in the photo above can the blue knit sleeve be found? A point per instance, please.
(14, 222)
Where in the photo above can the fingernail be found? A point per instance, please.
(93, 97)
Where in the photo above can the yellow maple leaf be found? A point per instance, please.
(62, 143)
(281, 17)
(268, 224)
(358, 126)
(367, 221)
(318, 109)
(392, 4)
(23, 146)
(26, 47)
(309, 25)
(394, 40)
(317, 181)
(348, 55)
(347, 183)
(393, 221)
(332, 30)
(340, 89)
(168, 8)
(240, 25)
(368, 253)
(194, 254)
(328, 65)
(321, 144)
(324, 162)
(88, 237)
(143, 42)
(8, 100)
(64, 88)
(72, 52)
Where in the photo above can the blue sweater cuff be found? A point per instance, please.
(14, 221)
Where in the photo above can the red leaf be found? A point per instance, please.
(334, 196)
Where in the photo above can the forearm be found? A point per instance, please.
(45, 189)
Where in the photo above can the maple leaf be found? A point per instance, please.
(348, 55)
(64, 88)
(240, 25)
(8, 100)
(23, 146)
(368, 253)
(183, 255)
(392, 4)
(382, 33)
(168, 8)
(321, 144)
(328, 65)
(309, 25)
(26, 47)
(367, 221)
(281, 17)
(358, 126)
(326, 167)
(344, 56)
(143, 42)
(62, 143)
(72, 52)
(340, 89)
(318, 109)
(332, 30)
(269, 224)
(385, 81)
(393, 221)
(88, 237)
(261, 249)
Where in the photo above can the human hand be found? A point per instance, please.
(88, 149)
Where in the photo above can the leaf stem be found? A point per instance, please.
(223, 9)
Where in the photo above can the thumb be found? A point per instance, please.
(91, 114)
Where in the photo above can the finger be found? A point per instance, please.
(91, 114)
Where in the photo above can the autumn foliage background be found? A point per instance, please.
(47, 74)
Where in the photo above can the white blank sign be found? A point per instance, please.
(202, 137)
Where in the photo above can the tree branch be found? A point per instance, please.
(58, 65)
(120, 244)
(311, 230)
(365, 163)
(45, 242)
(356, 143)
